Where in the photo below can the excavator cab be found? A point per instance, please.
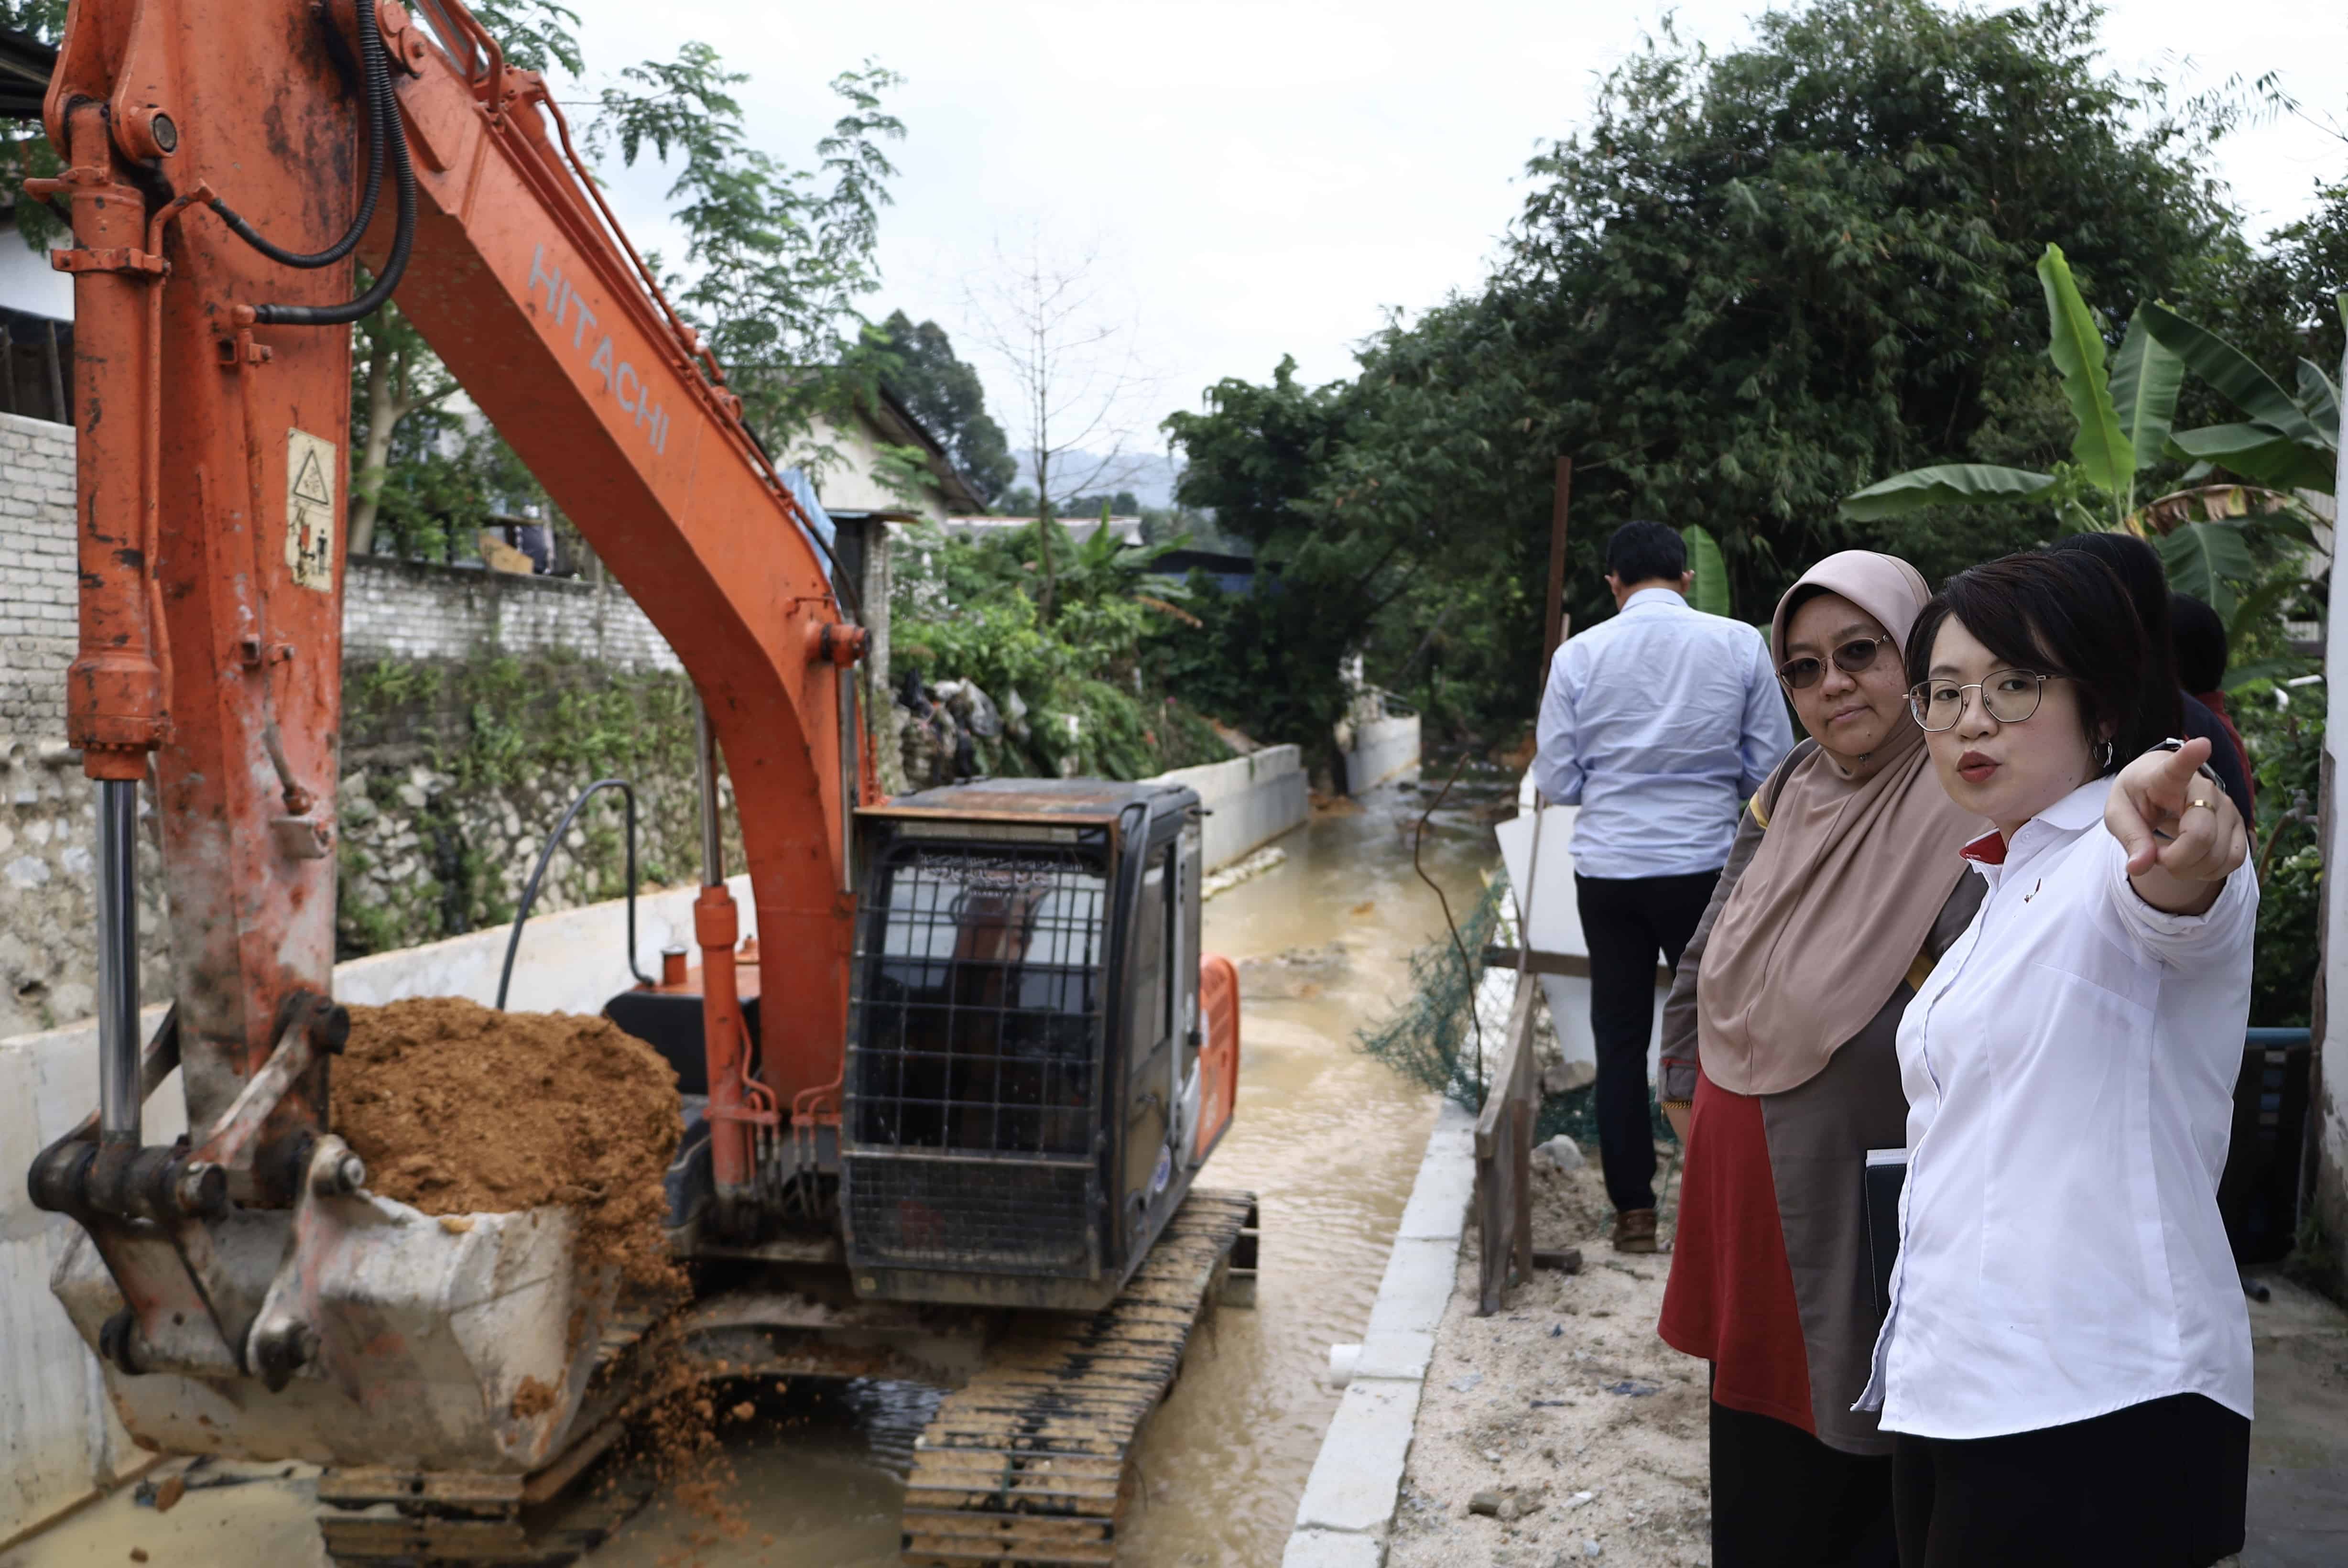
(1032, 1080)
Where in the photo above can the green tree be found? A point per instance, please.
(947, 396)
(775, 257)
(1758, 280)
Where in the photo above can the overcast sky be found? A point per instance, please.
(1268, 177)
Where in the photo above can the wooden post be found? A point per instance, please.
(1504, 1142)
(1558, 626)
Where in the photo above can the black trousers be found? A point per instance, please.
(1781, 1499)
(2158, 1485)
(1627, 922)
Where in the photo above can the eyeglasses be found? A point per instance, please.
(1850, 658)
(2009, 697)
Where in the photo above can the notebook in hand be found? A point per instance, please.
(1887, 1173)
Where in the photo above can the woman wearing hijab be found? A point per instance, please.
(1843, 884)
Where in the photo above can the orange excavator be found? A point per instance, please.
(951, 1133)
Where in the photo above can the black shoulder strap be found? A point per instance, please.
(1775, 784)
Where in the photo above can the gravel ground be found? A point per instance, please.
(1567, 1398)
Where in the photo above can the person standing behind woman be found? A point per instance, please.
(1844, 882)
(2146, 581)
(2066, 1361)
(2199, 638)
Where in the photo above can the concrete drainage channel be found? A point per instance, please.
(1349, 1497)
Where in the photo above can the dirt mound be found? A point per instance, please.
(459, 1109)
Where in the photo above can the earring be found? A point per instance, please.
(2108, 749)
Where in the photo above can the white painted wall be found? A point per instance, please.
(1382, 748)
(1251, 799)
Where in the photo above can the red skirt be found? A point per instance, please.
(1730, 1297)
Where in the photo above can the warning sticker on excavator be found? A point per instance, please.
(309, 510)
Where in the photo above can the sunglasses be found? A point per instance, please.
(1853, 656)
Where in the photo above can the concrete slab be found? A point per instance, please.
(1328, 1549)
(1440, 1199)
(1397, 1355)
(1417, 1287)
(1353, 1482)
(2299, 1443)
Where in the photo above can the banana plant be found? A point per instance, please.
(2124, 415)
(2289, 442)
(1709, 592)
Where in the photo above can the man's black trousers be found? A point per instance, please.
(1627, 922)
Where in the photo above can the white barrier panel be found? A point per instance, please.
(1382, 748)
(1251, 799)
(1556, 925)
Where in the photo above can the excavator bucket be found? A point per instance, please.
(460, 1343)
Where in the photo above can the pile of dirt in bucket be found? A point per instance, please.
(459, 1109)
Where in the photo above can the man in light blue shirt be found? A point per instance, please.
(1658, 724)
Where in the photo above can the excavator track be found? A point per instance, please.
(1025, 1465)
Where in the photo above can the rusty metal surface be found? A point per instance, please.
(1026, 1464)
(1073, 801)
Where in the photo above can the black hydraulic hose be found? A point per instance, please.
(403, 239)
(382, 126)
(530, 891)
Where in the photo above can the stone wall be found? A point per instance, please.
(422, 609)
(48, 820)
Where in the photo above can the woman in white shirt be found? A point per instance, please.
(2066, 1363)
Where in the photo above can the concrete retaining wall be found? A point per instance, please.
(1382, 748)
(58, 1438)
(1252, 799)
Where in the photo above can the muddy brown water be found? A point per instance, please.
(1327, 1138)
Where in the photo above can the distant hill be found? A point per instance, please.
(1150, 476)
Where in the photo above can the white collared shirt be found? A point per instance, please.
(2070, 1069)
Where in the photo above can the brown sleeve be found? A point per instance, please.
(1679, 1057)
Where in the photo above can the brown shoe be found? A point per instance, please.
(1634, 1231)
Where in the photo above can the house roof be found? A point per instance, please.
(899, 425)
(24, 65)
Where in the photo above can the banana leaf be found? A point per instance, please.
(2320, 399)
(2259, 453)
(2146, 379)
(2233, 374)
(2101, 448)
(1709, 592)
(1942, 484)
(2202, 558)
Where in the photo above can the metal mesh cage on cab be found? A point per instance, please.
(975, 1050)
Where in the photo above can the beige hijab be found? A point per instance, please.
(1853, 871)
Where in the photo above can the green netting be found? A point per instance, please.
(1430, 1037)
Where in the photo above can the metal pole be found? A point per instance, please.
(118, 960)
(1555, 632)
(713, 842)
